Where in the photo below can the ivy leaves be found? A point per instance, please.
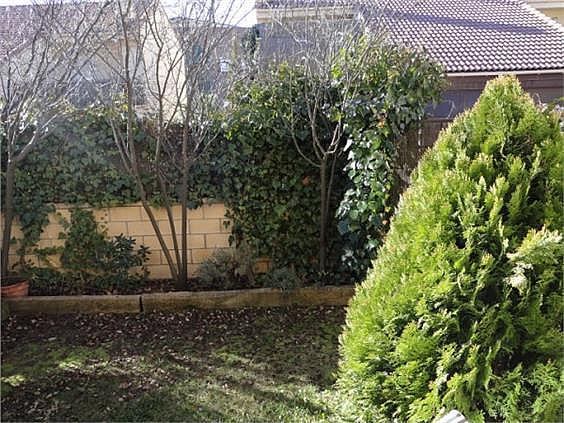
(79, 164)
(394, 87)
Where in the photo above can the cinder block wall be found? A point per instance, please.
(208, 230)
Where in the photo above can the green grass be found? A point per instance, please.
(262, 365)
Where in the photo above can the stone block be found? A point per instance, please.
(31, 259)
(139, 228)
(196, 241)
(152, 242)
(117, 228)
(202, 226)
(57, 242)
(53, 260)
(13, 259)
(165, 228)
(262, 266)
(44, 243)
(154, 258)
(103, 215)
(52, 231)
(159, 271)
(125, 214)
(199, 255)
(159, 213)
(217, 241)
(214, 211)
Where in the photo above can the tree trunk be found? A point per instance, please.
(323, 216)
(8, 216)
(159, 235)
(183, 271)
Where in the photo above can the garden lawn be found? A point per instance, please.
(243, 365)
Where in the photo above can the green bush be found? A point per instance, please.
(273, 191)
(227, 269)
(463, 307)
(283, 278)
(91, 263)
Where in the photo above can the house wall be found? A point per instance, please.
(163, 64)
(208, 230)
(554, 9)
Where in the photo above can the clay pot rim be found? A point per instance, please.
(10, 281)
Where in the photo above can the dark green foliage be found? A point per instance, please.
(271, 191)
(393, 89)
(79, 164)
(74, 165)
(91, 263)
(282, 278)
(463, 307)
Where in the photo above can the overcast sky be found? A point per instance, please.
(242, 12)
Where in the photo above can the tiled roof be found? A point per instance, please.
(463, 35)
(478, 35)
(287, 4)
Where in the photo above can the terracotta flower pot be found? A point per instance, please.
(14, 287)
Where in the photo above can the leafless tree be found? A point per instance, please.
(176, 66)
(39, 65)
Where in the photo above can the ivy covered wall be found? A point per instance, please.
(272, 193)
(79, 165)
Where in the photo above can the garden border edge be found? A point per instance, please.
(178, 301)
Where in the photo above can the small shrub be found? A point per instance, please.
(91, 263)
(227, 269)
(463, 307)
(219, 270)
(282, 278)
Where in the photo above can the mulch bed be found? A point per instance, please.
(140, 329)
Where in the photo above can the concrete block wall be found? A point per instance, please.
(208, 230)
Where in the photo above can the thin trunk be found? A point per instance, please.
(170, 216)
(8, 216)
(323, 216)
(184, 205)
(162, 243)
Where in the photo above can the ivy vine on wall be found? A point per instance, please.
(78, 164)
(271, 191)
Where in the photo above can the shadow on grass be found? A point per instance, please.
(270, 367)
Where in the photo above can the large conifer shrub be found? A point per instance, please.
(463, 307)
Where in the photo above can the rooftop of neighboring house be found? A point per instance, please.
(464, 35)
(20, 22)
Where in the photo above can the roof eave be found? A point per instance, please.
(505, 72)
